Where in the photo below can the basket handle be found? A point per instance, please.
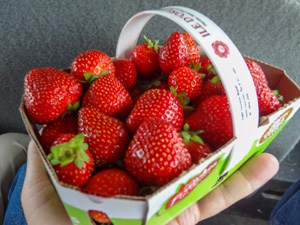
(226, 59)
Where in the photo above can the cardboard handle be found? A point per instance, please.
(226, 59)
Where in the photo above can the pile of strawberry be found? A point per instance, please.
(113, 126)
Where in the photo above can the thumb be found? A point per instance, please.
(35, 172)
(251, 176)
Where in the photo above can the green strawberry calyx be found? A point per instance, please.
(155, 82)
(90, 77)
(151, 44)
(215, 80)
(73, 107)
(194, 66)
(68, 152)
(188, 135)
(278, 95)
(211, 69)
(182, 98)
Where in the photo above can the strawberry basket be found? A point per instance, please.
(251, 134)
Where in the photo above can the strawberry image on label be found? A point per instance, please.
(185, 189)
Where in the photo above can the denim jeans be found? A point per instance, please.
(287, 210)
(14, 213)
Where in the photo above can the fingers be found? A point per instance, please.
(35, 168)
(243, 182)
(39, 198)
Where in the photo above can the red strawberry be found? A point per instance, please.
(212, 87)
(112, 182)
(179, 50)
(156, 103)
(109, 183)
(257, 73)
(198, 150)
(186, 80)
(71, 159)
(192, 47)
(213, 116)
(91, 63)
(207, 68)
(267, 100)
(48, 92)
(63, 125)
(125, 72)
(108, 95)
(145, 58)
(106, 136)
(195, 145)
(156, 154)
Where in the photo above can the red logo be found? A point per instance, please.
(221, 49)
(190, 185)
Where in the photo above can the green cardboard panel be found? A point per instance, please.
(78, 216)
(187, 194)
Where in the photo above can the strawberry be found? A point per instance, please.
(213, 116)
(187, 80)
(71, 159)
(257, 74)
(198, 150)
(156, 154)
(212, 87)
(194, 53)
(91, 63)
(106, 136)
(64, 125)
(156, 103)
(267, 100)
(125, 72)
(109, 183)
(195, 145)
(207, 69)
(145, 58)
(179, 50)
(48, 92)
(108, 95)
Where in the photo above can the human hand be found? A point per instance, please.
(42, 205)
(40, 201)
(251, 176)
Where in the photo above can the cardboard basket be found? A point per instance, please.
(251, 135)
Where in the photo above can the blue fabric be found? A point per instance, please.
(287, 210)
(14, 213)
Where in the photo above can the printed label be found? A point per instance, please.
(221, 49)
(196, 23)
(275, 125)
(185, 189)
(229, 64)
